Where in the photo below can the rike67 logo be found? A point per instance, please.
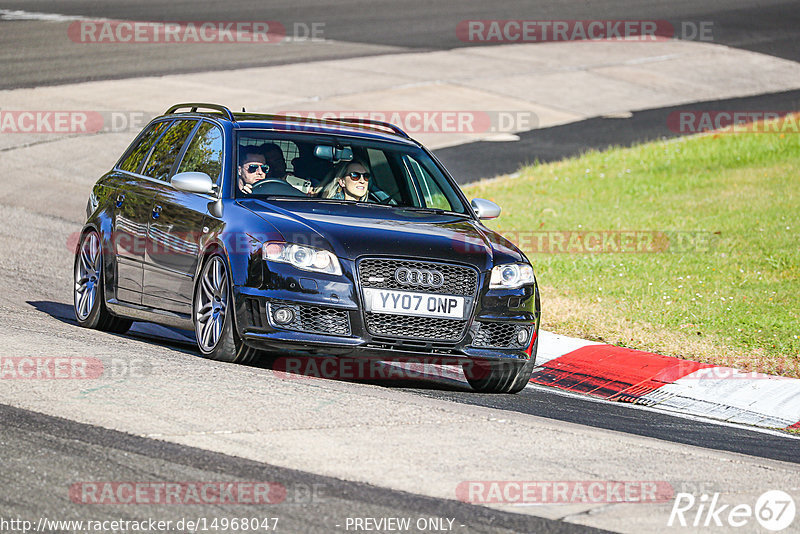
(774, 510)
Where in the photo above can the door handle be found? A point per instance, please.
(120, 200)
(156, 211)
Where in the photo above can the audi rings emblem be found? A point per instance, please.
(419, 277)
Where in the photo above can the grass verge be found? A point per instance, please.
(687, 247)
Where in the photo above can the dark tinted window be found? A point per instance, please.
(205, 152)
(400, 175)
(167, 149)
(135, 157)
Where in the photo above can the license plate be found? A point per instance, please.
(411, 303)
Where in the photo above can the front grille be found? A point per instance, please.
(390, 325)
(500, 335)
(314, 319)
(379, 273)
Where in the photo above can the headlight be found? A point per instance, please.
(511, 276)
(302, 257)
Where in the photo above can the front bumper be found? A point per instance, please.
(505, 311)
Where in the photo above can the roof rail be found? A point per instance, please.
(356, 120)
(195, 105)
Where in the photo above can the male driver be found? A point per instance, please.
(252, 167)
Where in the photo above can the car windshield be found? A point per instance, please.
(347, 170)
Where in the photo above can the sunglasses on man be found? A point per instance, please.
(253, 167)
(358, 176)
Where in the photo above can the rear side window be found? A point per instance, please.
(167, 149)
(205, 152)
(134, 159)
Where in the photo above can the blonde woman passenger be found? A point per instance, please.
(350, 183)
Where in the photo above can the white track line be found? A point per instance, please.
(682, 415)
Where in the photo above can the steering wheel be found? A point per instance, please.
(385, 199)
(276, 187)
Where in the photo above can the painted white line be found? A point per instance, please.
(682, 415)
(726, 393)
(19, 15)
(10, 14)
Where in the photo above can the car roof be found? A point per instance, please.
(350, 127)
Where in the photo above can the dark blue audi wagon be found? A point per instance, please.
(277, 234)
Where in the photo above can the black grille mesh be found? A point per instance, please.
(379, 273)
(500, 335)
(386, 324)
(315, 319)
(459, 280)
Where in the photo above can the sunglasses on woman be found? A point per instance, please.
(359, 175)
(253, 167)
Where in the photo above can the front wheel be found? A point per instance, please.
(89, 294)
(504, 376)
(213, 315)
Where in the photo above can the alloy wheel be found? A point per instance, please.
(87, 275)
(211, 304)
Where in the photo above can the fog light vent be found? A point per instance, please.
(522, 336)
(503, 335)
(283, 315)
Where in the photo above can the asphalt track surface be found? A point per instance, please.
(37, 449)
(544, 402)
(36, 54)
(568, 407)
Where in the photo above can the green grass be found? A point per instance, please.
(736, 287)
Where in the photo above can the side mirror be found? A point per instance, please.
(193, 182)
(485, 209)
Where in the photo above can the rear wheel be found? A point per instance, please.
(89, 302)
(213, 315)
(504, 376)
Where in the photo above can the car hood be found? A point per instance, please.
(352, 230)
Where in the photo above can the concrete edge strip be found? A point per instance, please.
(665, 382)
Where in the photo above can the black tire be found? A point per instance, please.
(504, 376)
(227, 346)
(88, 284)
